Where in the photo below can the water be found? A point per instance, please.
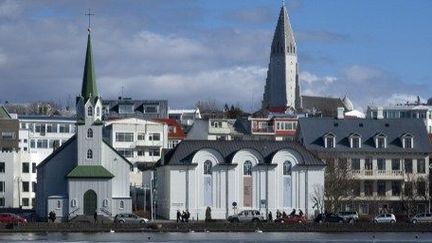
(217, 237)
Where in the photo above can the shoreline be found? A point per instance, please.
(217, 227)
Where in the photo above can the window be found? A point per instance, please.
(73, 203)
(51, 128)
(330, 141)
(32, 143)
(407, 141)
(355, 142)
(98, 111)
(89, 133)
(287, 166)
(25, 186)
(58, 204)
(381, 186)
(150, 109)
(154, 152)
(408, 166)
(421, 167)
(64, 128)
(40, 128)
(89, 111)
(356, 190)
(368, 188)
(247, 168)
(381, 141)
(141, 152)
(89, 154)
(154, 137)
(127, 153)
(395, 164)
(2, 201)
(368, 164)
(42, 143)
(105, 203)
(355, 164)
(2, 186)
(381, 164)
(25, 202)
(2, 167)
(33, 186)
(8, 135)
(408, 189)
(141, 136)
(207, 167)
(421, 187)
(33, 167)
(121, 204)
(124, 137)
(396, 188)
(216, 124)
(25, 167)
(126, 109)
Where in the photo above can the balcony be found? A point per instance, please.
(378, 174)
(263, 130)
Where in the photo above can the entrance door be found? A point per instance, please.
(90, 202)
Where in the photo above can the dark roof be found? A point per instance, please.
(90, 171)
(46, 117)
(89, 88)
(312, 130)
(242, 125)
(183, 153)
(138, 106)
(4, 114)
(326, 106)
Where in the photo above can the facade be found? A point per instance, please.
(316, 106)
(127, 108)
(186, 117)
(388, 160)
(282, 88)
(175, 132)
(220, 129)
(263, 175)
(8, 131)
(85, 175)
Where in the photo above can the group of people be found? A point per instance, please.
(183, 216)
(284, 215)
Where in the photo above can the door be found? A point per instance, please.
(90, 202)
(247, 191)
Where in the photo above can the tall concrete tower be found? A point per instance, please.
(282, 89)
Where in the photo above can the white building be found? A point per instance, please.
(85, 175)
(263, 175)
(186, 117)
(219, 129)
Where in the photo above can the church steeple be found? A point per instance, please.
(89, 88)
(283, 39)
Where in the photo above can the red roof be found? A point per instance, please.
(174, 129)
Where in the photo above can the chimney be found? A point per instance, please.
(340, 113)
(380, 112)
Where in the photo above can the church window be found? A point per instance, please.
(247, 168)
(89, 154)
(89, 133)
(73, 203)
(287, 168)
(294, 49)
(58, 204)
(121, 204)
(105, 203)
(208, 167)
(97, 111)
(89, 111)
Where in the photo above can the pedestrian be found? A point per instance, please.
(293, 212)
(284, 215)
(95, 216)
(183, 216)
(270, 217)
(278, 214)
(187, 215)
(52, 216)
(300, 213)
(178, 215)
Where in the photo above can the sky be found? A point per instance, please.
(375, 52)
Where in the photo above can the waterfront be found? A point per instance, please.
(216, 237)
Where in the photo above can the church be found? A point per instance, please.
(85, 175)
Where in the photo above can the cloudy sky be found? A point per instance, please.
(185, 50)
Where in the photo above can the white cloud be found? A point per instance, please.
(310, 78)
(10, 9)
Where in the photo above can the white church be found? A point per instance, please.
(262, 175)
(85, 175)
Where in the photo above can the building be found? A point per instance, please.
(282, 88)
(316, 106)
(175, 132)
(186, 117)
(263, 175)
(9, 128)
(388, 160)
(220, 129)
(127, 107)
(85, 175)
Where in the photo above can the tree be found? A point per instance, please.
(318, 198)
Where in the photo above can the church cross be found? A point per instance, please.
(89, 14)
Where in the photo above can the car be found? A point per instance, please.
(10, 218)
(421, 218)
(129, 218)
(329, 218)
(349, 216)
(385, 218)
(246, 216)
(295, 219)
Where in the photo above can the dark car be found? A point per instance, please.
(295, 219)
(329, 218)
(10, 218)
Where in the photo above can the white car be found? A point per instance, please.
(385, 218)
(246, 216)
(421, 218)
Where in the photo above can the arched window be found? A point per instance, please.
(97, 111)
(121, 204)
(287, 166)
(73, 203)
(89, 133)
(58, 204)
(207, 167)
(89, 111)
(247, 168)
(105, 203)
(89, 154)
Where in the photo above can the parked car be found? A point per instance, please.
(421, 218)
(246, 216)
(10, 218)
(129, 218)
(349, 216)
(329, 218)
(385, 218)
(296, 219)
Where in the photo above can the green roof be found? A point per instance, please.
(90, 171)
(89, 88)
(4, 114)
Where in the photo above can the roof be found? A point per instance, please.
(89, 88)
(90, 171)
(45, 117)
(327, 106)
(139, 108)
(183, 153)
(175, 133)
(312, 130)
(4, 114)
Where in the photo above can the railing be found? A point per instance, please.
(389, 173)
(105, 211)
(263, 130)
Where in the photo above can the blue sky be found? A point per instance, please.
(376, 52)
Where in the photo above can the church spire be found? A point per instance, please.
(283, 39)
(89, 88)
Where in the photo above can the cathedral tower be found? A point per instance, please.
(282, 89)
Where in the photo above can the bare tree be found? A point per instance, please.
(318, 197)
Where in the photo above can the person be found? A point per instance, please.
(95, 216)
(293, 213)
(187, 215)
(52, 216)
(270, 217)
(284, 215)
(300, 213)
(178, 215)
(278, 214)
(183, 216)
(208, 214)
